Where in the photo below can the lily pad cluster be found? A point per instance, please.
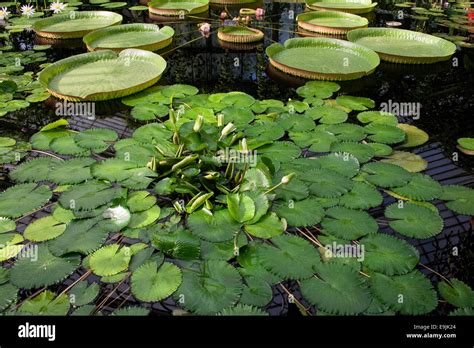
(18, 84)
(216, 199)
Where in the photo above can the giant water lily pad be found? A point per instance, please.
(177, 7)
(137, 35)
(403, 46)
(102, 75)
(323, 59)
(239, 34)
(351, 6)
(330, 22)
(75, 24)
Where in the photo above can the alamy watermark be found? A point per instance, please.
(81, 109)
(229, 155)
(28, 251)
(402, 109)
(356, 251)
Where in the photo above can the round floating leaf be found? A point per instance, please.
(327, 114)
(218, 227)
(457, 293)
(66, 145)
(348, 224)
(291, 257)
(337, 289)
(380, 117)
(414, 135)
(243, 310)
(249, 258)
(413, 220)
(145, 218)
(326, 183)
(362, 196)
(34, 170)
(96, 139)
(152, 282)
(355, 103)
(149, 111)
(45, 228)
(290, 122)
(466, 143)
(342, 162)
(88, 195)
(409, 294)
(222, 250)
(389, 255)
(317, 140)
(72, 172)
(301, 213)
(280, 151)
(385, 134)
(386, 174)
(460, 199)
(8, 295)
(46, 303)
(21, 199)
(420, 188)
(267, 227)
(345, 131)
(140, 201)
(362, 152)
(83, 293)
(211, 288)
(407, 160)
(256, 292)
(29, 272)
(318, 89)
(128, 173)
(81, 236)
(380, 149)
(7, 225)
(110, 260)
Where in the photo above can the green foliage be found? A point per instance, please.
(337, 289)
(348, 223)
(291, 257)
(410, 294)
(457, 293)
(211, 287)
(174, 190)
(21, 199)
(28, 273)
(389, 255)
(414, 220)
(152, 282)
(110, 260)
(46, 303)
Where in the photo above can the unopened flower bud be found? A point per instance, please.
(198, 123)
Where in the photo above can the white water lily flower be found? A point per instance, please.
(57, 7)
(27, 10)
(119, 215)
(4, 13)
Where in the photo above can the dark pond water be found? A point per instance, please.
(444, 92)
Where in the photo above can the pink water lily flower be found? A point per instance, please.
(205, 28)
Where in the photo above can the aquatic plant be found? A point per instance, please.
(220, 197)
